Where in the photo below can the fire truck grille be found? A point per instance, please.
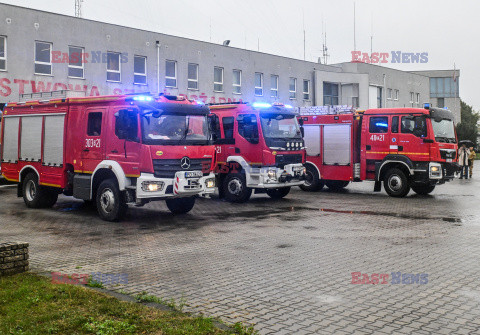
(448, 154)
(166, 168)
(282, 160)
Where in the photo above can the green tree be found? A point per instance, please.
(468, 129)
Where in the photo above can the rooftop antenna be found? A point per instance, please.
(325, 48)
(354, 32)
(78, 8)
(304, 37)
(371, 37)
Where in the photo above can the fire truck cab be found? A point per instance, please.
(259, 147)
(109, 150)
(405, 148)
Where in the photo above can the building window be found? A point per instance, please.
(440, 102)
(443, 87)
(171, 73)
(192, 76)
(389, 94)
(306, 90)
(140, 70)
(418, 98)
(293, 88)
(237, 81)
(397, 93)
(218, 79)
(412, 97)
(113, 67)
(75, 62)
(43, 58)
(330, 94)
(274, 86)
(379, 97)
(355, 103)
(3, 53)
(258, 84)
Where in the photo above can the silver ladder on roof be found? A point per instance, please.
(326, 110)
(60, 94)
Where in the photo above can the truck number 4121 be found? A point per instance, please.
(377, 138)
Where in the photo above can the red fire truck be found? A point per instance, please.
(259, 147)
(405, 148)
(109, 150)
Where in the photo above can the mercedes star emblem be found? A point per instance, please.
(185, 163)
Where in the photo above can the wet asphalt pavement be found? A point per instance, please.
(285, 266)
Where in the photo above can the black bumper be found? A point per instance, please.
(422, 174)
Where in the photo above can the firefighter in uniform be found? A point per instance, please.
(471, 160)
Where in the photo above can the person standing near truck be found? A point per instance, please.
(463, 154)
(471, 160)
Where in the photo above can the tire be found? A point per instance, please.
(235, 188)
(278, 193)
(313, 182)
(396, 183)
(336, 185)
(111, 204)
(422, 189)
(180, 205)
(36, 196)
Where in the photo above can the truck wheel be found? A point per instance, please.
(336, 185)
(111, 205)
(36, 196)
(396, 183)
(180, 205)
(312, 182)
(278, 193)
(235, 188)
(423, 189)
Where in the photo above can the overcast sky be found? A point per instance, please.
(447, 30)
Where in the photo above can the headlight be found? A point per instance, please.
(271, 174)
(435, 171)
(288, 144)
(152, 186)
(210, 183)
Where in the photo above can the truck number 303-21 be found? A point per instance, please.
(93, 143)
(377, 138)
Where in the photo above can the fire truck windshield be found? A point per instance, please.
(174, 129)
(284, 126)
(444, 130)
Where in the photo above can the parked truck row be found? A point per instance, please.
(133, 149)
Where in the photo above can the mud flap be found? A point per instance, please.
(377, 187)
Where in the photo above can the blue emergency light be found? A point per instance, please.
(289, 106)
(261, 105)
(426, 105)
(142, 98)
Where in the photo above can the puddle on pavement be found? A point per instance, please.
(396, 215)
(283, 246)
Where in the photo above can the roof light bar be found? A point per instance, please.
(142, 98)
(261, 105)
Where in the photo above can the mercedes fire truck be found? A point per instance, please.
(259, 148)
(405, 148)
(109, 150)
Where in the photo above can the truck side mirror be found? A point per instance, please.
(301, 121)
(302, 130)
(214, 125)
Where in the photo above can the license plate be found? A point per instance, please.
(193, 174)
(449, 160)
